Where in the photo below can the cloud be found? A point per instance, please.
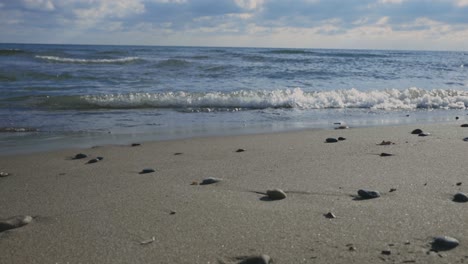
(44, 5)
(237, 22)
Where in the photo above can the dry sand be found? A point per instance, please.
(102, 212)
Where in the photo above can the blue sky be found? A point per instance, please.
(362, 24)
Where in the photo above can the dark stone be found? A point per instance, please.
(416, 131)
(464, 125)
(392, 190)
(367, 194)
(386, 252)
(383, 154)
(263, 259)
(459, 183)
(331, 140)
(147, 170)
(240, 150)
(210, 180)
(443, 243)
(341, 138)
(276, 194)
(465, 139)
(99, 158)
(15, 222)
(80, 156)
(424, 134)
(177, 153)
(93, 161)
(342, 127)
(330, 215)
(4, 174)
(136, 144)
(460, 198)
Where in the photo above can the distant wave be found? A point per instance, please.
(391, 99)
(84, 61)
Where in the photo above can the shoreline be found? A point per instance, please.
(108, 212)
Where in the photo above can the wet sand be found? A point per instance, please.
(110, 212)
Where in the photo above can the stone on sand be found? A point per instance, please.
(368, 194)
(460, 197)
(262, 259)
(210, 180)
(442, 243)
(147, 170)
(276, 194)
(331, 140)
(15, 222)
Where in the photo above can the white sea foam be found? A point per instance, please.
(390, 99)
(77, 60)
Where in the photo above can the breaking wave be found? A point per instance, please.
(86, 61)
(390, 99)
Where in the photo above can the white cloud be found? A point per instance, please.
(461, 3)
(98, 10)
(383, 21)
(45, 5)
(250, 4)
(391, 1)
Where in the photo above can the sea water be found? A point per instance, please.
(59, 96)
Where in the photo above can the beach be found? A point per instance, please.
(110, 212)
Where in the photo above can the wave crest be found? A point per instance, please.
(391, 99)
(85, 61)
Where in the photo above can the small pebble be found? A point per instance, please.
(416, 131)
(456, 118)
(341, 138)
(384, 154)
(442, 243)
(386, 252)
(343, 127)
(464, 125)
(4, 174)
(392, 190)
(93, 161)
(459, 183)
(262, 259)
(177, 153)
(210, 180)
(330, 215)
(172, 213)
(352, 248)
(385, 143)
(465, 139)
(99, 158)
(147, 170)
(367, 194)
(331, 140)
(15, 222)
(276, 194)
(240, 150)
(424, 134)
(460, 198)
(136, 144)
(80, 156)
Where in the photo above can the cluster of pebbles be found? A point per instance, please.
(439, 243)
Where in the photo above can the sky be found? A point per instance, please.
(345, 24)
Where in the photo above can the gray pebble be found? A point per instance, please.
(384, 154)
(147, 170)
(4, 174)
(262, 259)
(210, 180)
(330, 215)
(80, 156)
(465, 139)
(460, 197)
(367, 194)
(424, 134)
(442, 243)
(276, 194)
(15, 222)
(416, 131)
(341, 138)
(331, 140)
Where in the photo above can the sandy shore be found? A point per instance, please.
(107, 212)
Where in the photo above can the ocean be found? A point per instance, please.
(61, 96)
